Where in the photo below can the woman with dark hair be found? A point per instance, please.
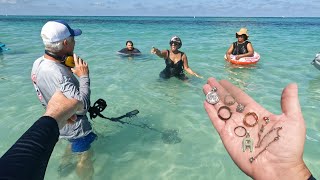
(129, 50)
(242, 47)
(176, 61)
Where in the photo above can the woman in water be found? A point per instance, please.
(176, 61)
(242, 47)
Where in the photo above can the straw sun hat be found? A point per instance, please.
(243, 31)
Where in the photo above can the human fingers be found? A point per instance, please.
(212, 113)
(76, 63)
(75, 58)
(197, 75)
(72, 119)
(290, 102)
(153, 50)
(244, 102)
(220, 99)
(219, 90)
(240, 96)
(81, 68)
(222, 115)
(253, 112)
(61, 108)
(64, 106)
(79, 61)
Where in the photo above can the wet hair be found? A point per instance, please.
(129, 42)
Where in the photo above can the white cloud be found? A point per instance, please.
(164, 7)
(99, 4)
(8, 1)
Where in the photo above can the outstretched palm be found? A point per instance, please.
(277, 157)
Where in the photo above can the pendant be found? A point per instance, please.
(247, 143)
(212, 97)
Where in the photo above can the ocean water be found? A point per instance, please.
(172, 137)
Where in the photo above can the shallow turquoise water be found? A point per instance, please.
(286, 46)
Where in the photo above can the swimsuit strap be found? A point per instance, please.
(168, 57)
(182, 53)
(235, 47)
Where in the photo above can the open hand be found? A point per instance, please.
(283, 158)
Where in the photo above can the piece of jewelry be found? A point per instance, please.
(274, 140)
(250, 114)
(214, 89)
(267, 120)
(228, 109)
(259, 135)
(247, 143)
(212, 97)
(229, 102)
(240, 108)
(241, 127)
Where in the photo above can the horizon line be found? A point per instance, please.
(168, 16)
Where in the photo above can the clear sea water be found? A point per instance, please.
(172, 137)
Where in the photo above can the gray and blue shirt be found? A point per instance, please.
(49, 76)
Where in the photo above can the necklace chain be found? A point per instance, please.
(274, 140)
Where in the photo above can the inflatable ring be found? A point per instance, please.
(244, 61)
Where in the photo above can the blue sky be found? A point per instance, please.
(234, 8)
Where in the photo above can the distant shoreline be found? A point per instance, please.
(167, 16)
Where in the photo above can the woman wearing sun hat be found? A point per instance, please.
(241, 48)
(176, 61)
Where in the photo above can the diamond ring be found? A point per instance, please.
(240, 108)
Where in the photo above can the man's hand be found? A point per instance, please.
(61, 108)
(81, 67)
(281, 159)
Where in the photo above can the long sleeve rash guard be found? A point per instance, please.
(29, 156)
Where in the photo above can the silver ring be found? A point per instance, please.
(212, 97)
(240, 108)
(230, 102)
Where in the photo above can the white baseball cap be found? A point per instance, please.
(58, 30)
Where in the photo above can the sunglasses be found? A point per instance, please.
(174, 43)
(242, 36)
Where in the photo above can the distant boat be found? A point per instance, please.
(194, 16)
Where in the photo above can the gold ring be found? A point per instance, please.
(228, 109)
(231, 102)
(255, 116)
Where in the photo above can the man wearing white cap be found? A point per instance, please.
(53, 72)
